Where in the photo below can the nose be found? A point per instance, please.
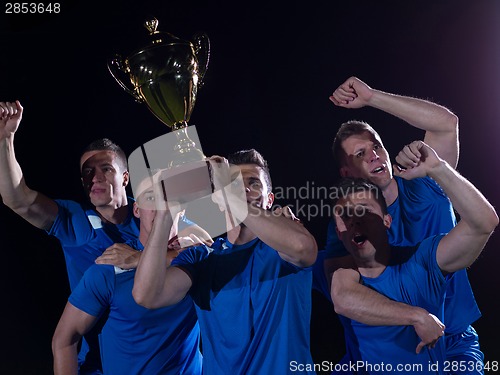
(372, 156)
(98, 176)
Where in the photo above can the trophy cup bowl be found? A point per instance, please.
(165, 74)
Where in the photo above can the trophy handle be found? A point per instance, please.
(202, 52)
(116, 67)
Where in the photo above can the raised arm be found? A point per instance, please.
(360, 303)
(478, 219)
(156, 284)
(291, 239)
(34, 207)
(439, 123)
(73, 324)
(287, 236)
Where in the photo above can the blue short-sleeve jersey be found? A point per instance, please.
(84, 236)
(422, 210)
(136, 340)
(413, 277)
(253, 307)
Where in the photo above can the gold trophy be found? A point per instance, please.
(165, 75)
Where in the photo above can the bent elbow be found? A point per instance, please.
(337, 299)
(340, 292)
(55, 343)
(494, 221)
(453, 121)
(338, 303)
(490, 222)
(141, 298)
(62, 340)
(308, 250)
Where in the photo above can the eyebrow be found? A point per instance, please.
(356, 150)
(254, 179)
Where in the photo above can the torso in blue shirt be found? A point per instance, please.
(136, 340)
(413, 277)
(422, 210)
(84, 237)
(253, 307)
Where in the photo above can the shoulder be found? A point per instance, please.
(193, 254)
(430, 242)
(99, 272)
(70, 205)
(425, 252)
(94, 291)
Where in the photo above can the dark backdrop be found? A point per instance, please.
(272, 67)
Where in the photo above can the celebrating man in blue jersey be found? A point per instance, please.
(252, 288)
(414, 275)
(84, 230)
(134, 340)
(419, 208)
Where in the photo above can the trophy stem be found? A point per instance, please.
(185, 150)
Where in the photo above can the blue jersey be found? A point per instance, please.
(83, 238)
(412, 277)
(320, 281)
(136, 340)
(421, 210)
(254, 308)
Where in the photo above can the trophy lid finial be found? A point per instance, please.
(151, 25)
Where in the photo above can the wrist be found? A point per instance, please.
(417, 315)
(439, 170)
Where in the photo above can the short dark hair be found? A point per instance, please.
(106, 144)
(346, 130)
(350, 185)
(252, 156)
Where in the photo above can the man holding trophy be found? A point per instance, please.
(252, 288)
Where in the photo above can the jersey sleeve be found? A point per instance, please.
(425, 256)
(72, 226)
(94, 291)
(334, 246)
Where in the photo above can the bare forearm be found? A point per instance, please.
(31, 205)
(66, 360)
(440, 124)
(284, 235)
(365, 305)
(420, 113)
(151, 270)
(11, 176)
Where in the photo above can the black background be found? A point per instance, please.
(272, 67)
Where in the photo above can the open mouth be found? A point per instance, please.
(254, 203)
(359, 239)
(378, 170)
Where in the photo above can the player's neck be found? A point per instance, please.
(113, 215)
(391, 192)
(240, 235)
